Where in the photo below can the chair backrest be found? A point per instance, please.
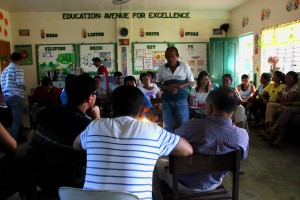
(200, 163)
(67, 193)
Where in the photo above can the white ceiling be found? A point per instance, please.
(106, 5)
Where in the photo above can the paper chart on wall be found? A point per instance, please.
(55, 59)
(148, 56)
(194, 54)
(106, 53)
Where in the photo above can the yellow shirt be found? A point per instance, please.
(273, 91)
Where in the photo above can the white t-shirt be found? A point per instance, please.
(240, 116)
(201, 97)
(122, 152)
(150, 93)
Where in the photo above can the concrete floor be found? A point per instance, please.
(269, 174)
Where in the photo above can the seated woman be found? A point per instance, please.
(201, 91)
(147, 88)
(246, 90)
(289, 93)
(130, 80)
(46, 94)
(212, 85)
(254, 101)
(239, 117)
(271, 91)
(280, 127)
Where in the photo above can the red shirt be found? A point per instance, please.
(44, 98)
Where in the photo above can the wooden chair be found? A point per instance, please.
(201, 163)
(66, 193)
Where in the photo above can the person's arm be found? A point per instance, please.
(77, 144)
(183, 148)
(294, 103)
(252, 90)
(264, 96)
(239, 88)
(93, 112)
(7, 142)
(291, 97)
(253, 96)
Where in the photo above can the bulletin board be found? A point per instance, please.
(149, 56)
(195, 54)
(55, 60)
(107, 52)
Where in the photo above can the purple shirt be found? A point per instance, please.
(212, 136)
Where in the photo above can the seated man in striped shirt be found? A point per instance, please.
(122, 151)
(213, 135)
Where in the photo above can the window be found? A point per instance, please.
(284, 42)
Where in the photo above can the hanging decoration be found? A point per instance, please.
(292, 5)
(281, 35)
(245, 21)
(265, 14)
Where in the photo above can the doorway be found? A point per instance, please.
(4, 54)
(245, 57)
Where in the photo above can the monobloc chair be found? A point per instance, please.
(206, 163)
(67, 193)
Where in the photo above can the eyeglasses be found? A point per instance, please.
(93, 94)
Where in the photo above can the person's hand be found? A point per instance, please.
(173, 88)
(94, 112)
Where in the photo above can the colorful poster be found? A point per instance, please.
(106, 52)
(150, 56)
(56, 60)
(26, 51)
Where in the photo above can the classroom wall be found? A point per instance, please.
(5, 28)
(70, 31)
(252, 10)
(3, 16)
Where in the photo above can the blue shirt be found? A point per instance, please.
(12, 81)
(212, 136)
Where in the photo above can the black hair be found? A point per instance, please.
(68, 77)
(294, 75)
(152, 74)
(79, 89)
(98, 76)
(15, 56)
(267, 77)
(242, 85)
(143, 74)
(127, 100)
(200, 76)
(172, 48)
(228, 76)
(46, 81)
(129, 78)
(223, 99)
(96, 59)
(118, 74)
(281, 76)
